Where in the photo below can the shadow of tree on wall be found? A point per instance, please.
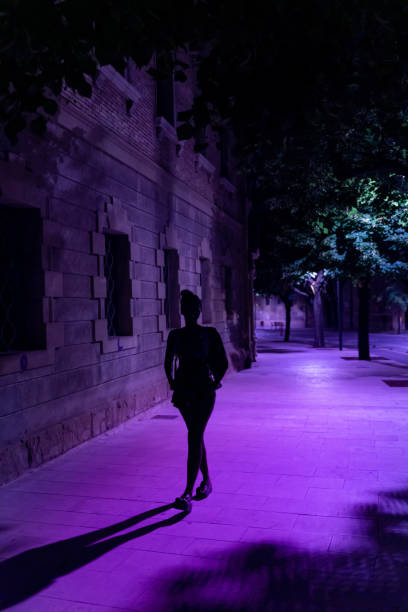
(268, 576)
(33, 570)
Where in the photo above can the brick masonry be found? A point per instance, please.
(103, 168)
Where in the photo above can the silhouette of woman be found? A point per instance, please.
(195, 363)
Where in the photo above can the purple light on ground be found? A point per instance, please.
(308, 510)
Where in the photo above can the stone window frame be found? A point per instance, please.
(22, 360)
(114, 219)
(172, 312)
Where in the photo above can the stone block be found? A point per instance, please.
(45, 445)
(39, 359)
(31, 359)
(117, 217)
(70, 357)
(136, 288)
(146, 237)
(98, 243)
(101, 309)
(127, 342)
(102, 225)
(162, 322)
(159, 257)
(161, 290)
(150, 341)
(148, 290)
(135, 252)
(77, 286)
(123, 410)
(10, 400)
(137, 324)
(76, 430)
(78, 332)
(71, 215)
(13, 461)
(98, 287)
(100, 330)
(188, 278)
(53, 284)
(146, 272)
(61, 236)
(46, 259)
(98, 422)
(146, 325)
(148, 256)
(147, 187)
(101, 265)
(110, 345)
(147, 307)
(54, 335)
(46, 308)
(75, 309)
(73, 262)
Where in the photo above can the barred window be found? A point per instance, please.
(172, 301)
(118, 288)
(21, 280)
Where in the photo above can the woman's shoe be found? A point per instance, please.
(203, 490)
(183, 503)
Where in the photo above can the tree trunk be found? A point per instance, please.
(288, 307)
(340, 312)
(363, 314)
(351, 306)
(318, 310)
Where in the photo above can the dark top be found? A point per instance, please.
(200, 358)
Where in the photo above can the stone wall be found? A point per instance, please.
(270, 313)
(106, 166)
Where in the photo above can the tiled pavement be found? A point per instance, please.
(309, 510)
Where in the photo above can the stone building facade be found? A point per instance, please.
(383, 315)
(103, 221)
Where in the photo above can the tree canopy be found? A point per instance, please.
(315, 93)
(271, 70)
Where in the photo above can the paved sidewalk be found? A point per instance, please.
(309, 510)
(389, 344)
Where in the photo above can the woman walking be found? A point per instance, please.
(195, 363)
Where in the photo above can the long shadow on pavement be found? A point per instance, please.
(31, 571)
(271, 577)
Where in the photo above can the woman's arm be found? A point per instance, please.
(218, 358)
(169, 358)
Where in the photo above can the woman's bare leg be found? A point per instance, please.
(197, 455)
(195, 449)
(204, 464)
